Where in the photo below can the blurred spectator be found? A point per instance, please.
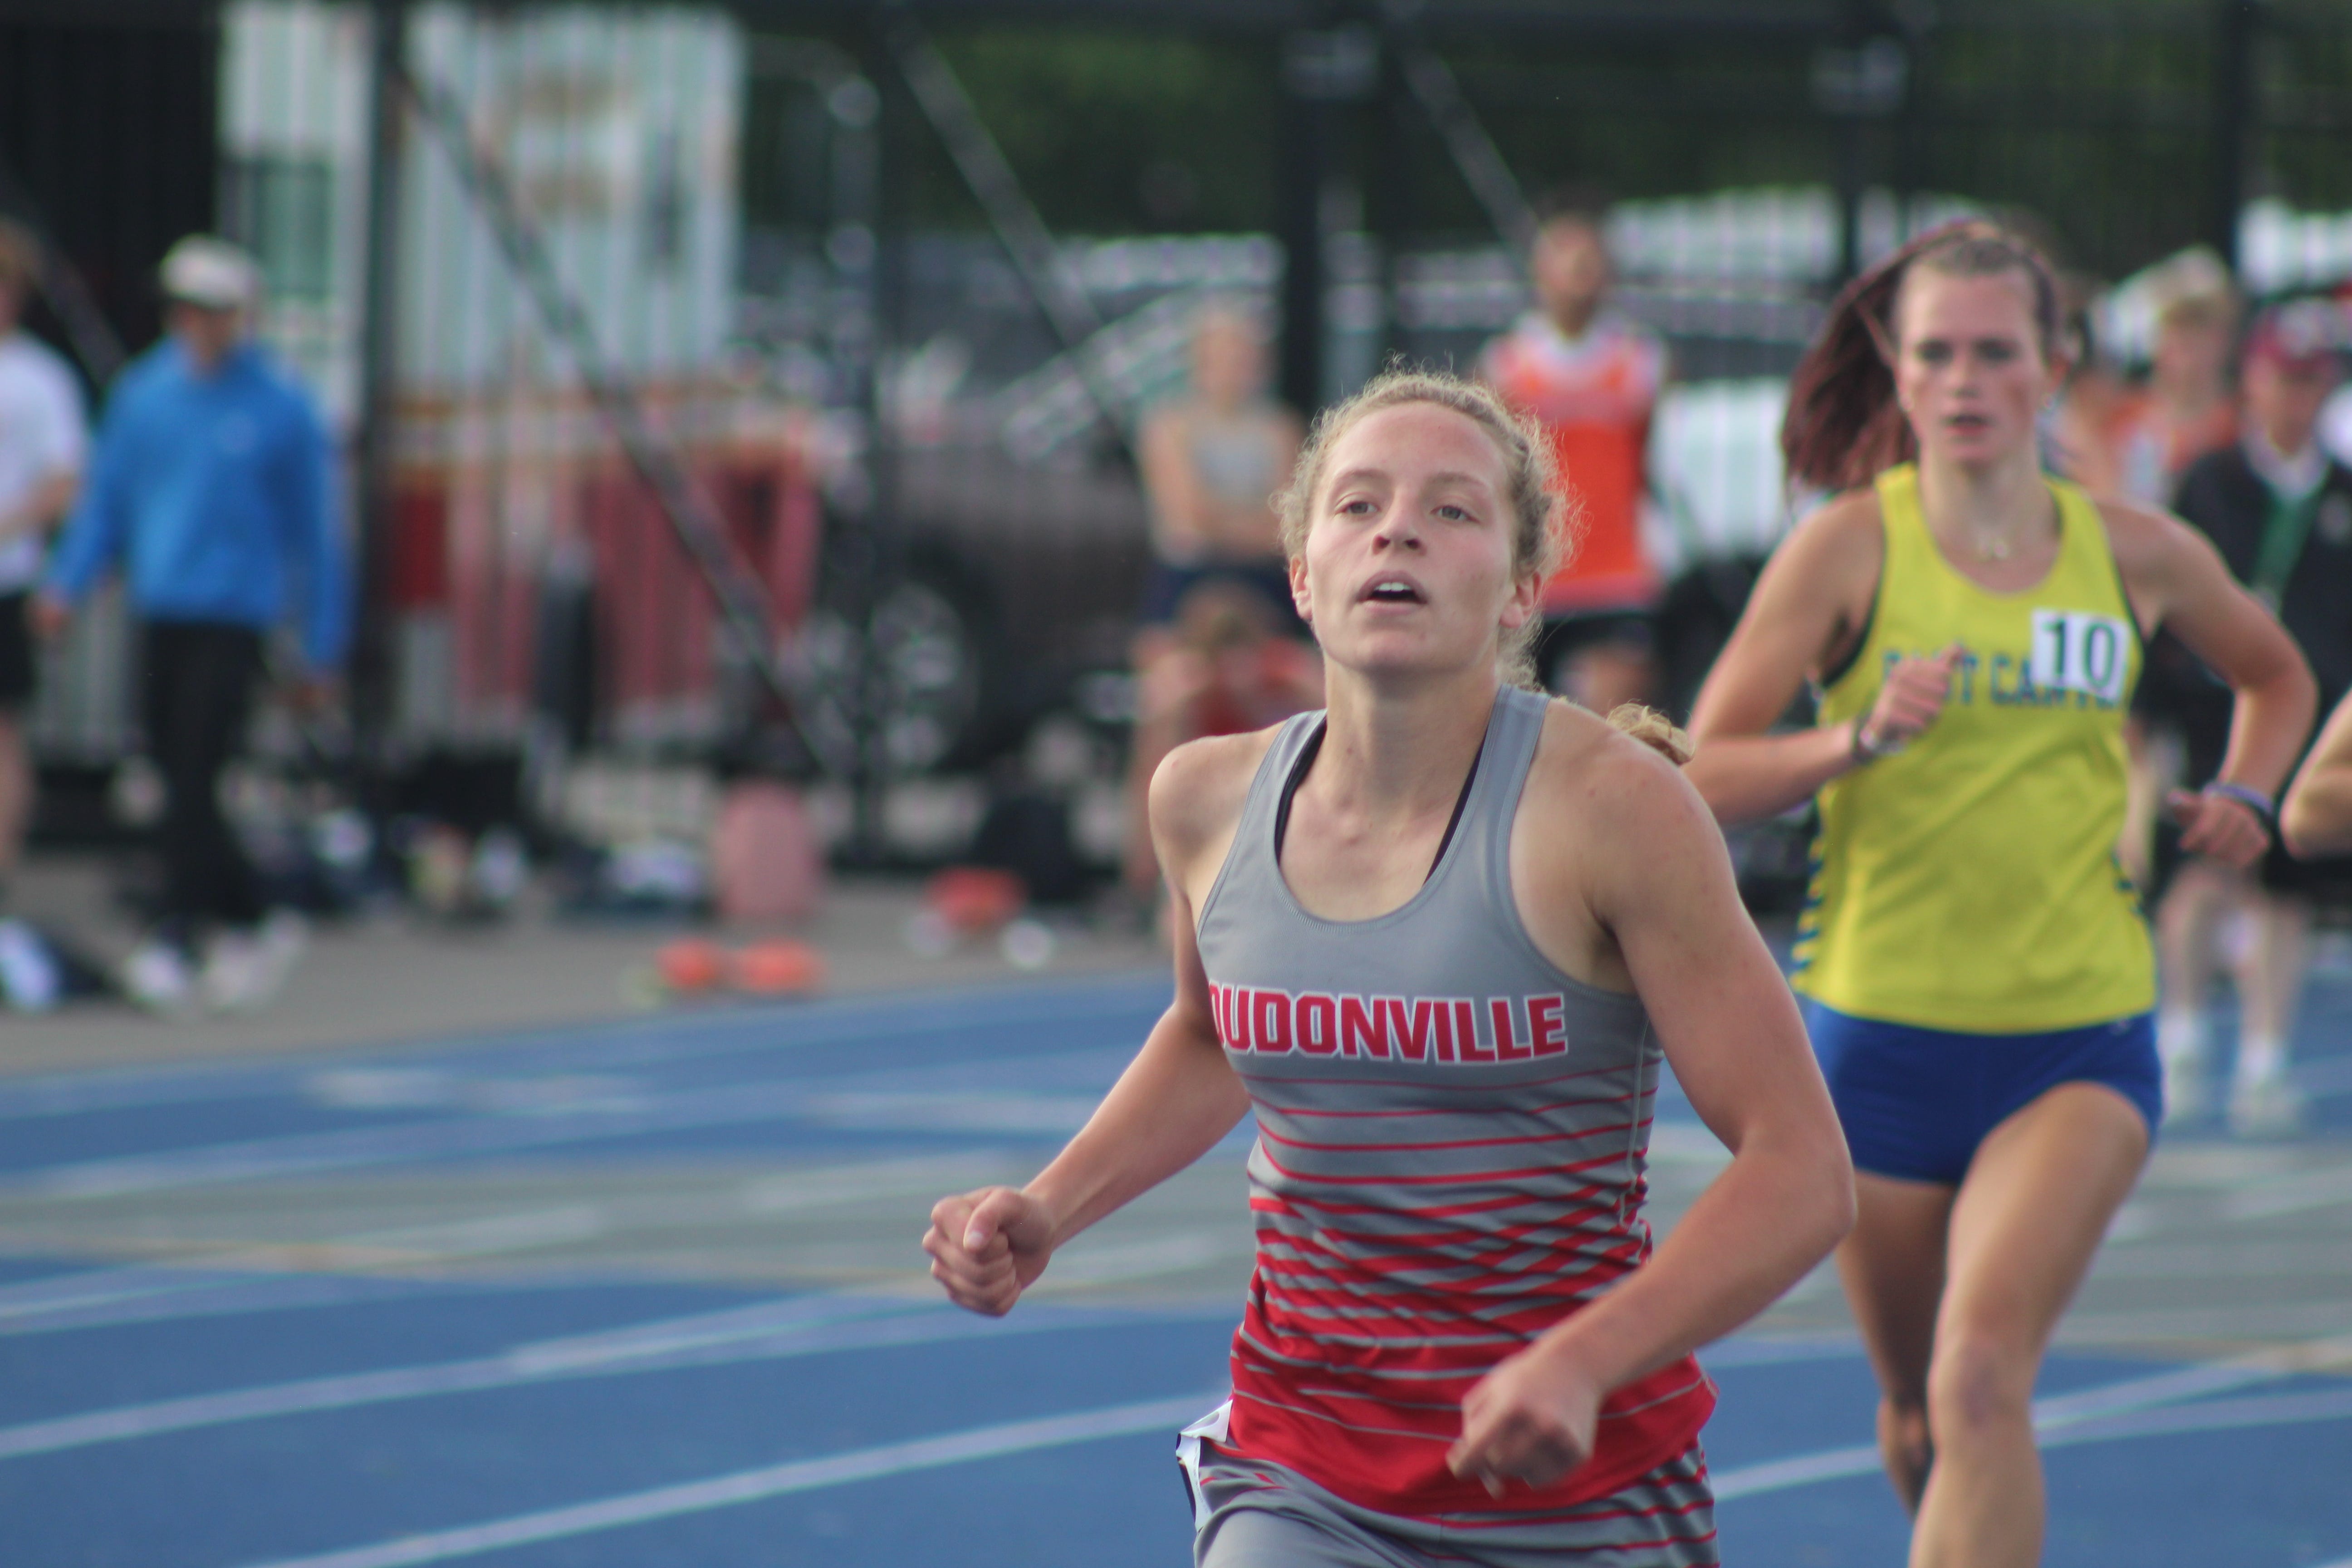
(1229, 669)
(210, 483)
(1212, 462)
(42, 442)
(1592, 378)
(2117, 439)
(2139, 443)
(2280, 510)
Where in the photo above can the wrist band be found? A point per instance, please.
(1864, 748)
(2253, 799)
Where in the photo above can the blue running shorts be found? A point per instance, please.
(1916, 1102)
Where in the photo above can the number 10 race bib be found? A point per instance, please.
(2076, 651)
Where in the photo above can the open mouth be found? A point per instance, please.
(1392, 591)
(1967, 423)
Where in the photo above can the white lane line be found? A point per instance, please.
(2091, 1414)
(1174, 1252)
(82, 1287)
(247, 1294)
(1803, 1471)
(1774, 1353)
(993, 1442)
(682, 1344)
(98, 1298)
(2219, 1415)
(757, 1486)
(721, 1105)
(616, 1043)
(2291, 1195)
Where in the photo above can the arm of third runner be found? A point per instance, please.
(2317, 816)
(1167, 1109)
(1661, 880)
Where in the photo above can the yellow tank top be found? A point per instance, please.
(1970, 882)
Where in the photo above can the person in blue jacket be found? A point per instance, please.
(212, 488)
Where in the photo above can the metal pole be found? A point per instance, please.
(1298, 188)
(1434, 86)
(743, 599)
(372, 687)
(1019, 227)
(2235, 114)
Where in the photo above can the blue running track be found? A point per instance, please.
(192, 1416)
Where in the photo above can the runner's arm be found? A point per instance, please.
(1661, 882)
(1167, 1109)
(2177, 579)
(2317, 816)
(1729, 1027)
(1802, 608)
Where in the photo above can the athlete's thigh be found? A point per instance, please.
(1892, 1264)
(1269, 1538)
(2033, 1208)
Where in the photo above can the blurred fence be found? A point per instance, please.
(695, 184)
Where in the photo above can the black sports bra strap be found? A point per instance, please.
(1307, 754)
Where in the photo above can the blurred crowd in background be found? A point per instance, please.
(1006, 569)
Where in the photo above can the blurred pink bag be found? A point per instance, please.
(765, 861)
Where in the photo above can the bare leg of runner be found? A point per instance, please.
(2188, 931)
(1892, 1267)
(2030, 1215)
(2270, 977)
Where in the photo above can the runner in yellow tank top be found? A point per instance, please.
(1926, 842)
(1979, 979)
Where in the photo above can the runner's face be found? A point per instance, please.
(1408, 565)
(1969, 369)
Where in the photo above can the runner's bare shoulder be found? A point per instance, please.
(1197, 793)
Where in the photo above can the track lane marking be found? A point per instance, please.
(800, 1327)
(993, 1442)
(772, 1482)
(2136, 1407)
(620, 1042)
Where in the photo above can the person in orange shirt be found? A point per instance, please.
(1592, 378)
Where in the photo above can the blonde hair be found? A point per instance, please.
(1542, 520)
(1654, 730)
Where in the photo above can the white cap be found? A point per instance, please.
(202, 270)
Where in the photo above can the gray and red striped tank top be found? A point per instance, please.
(1452, 1137)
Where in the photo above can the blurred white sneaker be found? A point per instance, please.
(2180, 1044)
(28, 971)
(2187, 1095)
(244, 971)
(2266, 1106)
(156, 977)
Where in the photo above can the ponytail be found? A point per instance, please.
(1843, 425)
(1654, 730)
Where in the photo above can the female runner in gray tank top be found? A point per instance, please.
(1439, 938)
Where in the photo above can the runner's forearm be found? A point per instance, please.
(2317, 815)
(1171, 1105)
(1760, 1228)
(1748, 778)
(2268, 726)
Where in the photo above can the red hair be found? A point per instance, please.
(1843, 425)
